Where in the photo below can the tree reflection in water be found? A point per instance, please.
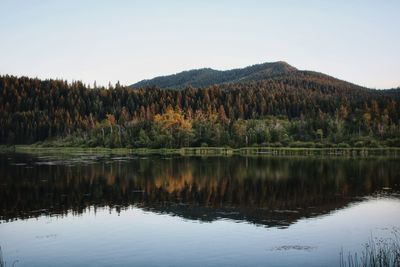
(262, 190)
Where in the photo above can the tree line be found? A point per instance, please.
(305, 109)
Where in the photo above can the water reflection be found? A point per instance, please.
(261, 190)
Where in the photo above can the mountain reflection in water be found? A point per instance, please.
(261, 190)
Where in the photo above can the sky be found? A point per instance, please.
(127, 41)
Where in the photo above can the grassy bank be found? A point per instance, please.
(211, 151)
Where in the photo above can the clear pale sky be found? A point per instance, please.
(354, 40)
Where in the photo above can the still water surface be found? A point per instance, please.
(108, 210)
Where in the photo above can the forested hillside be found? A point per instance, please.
(295, 109)
(207, 77)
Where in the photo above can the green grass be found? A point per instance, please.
(377, 253)
(3, 263)
(211, 151)
(7, 148)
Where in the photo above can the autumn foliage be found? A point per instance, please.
(305, 109)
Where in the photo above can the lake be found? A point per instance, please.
(113, 210)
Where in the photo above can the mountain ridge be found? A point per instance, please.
(204, 77)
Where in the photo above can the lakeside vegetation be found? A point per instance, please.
(296, 109)
(377, 253)
(206, 151)
(4, 263)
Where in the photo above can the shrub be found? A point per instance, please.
(343, 145)
(204, 144)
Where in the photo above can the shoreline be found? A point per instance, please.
(211, 151)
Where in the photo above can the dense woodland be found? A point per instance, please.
(208, 77)
(299, 109)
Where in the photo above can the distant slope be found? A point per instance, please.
(310, 79)
(206, 77)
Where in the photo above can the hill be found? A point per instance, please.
(207, 76)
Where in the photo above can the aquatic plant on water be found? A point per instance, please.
(2, 262)
(378, 252)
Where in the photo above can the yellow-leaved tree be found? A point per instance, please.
(174, 123)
